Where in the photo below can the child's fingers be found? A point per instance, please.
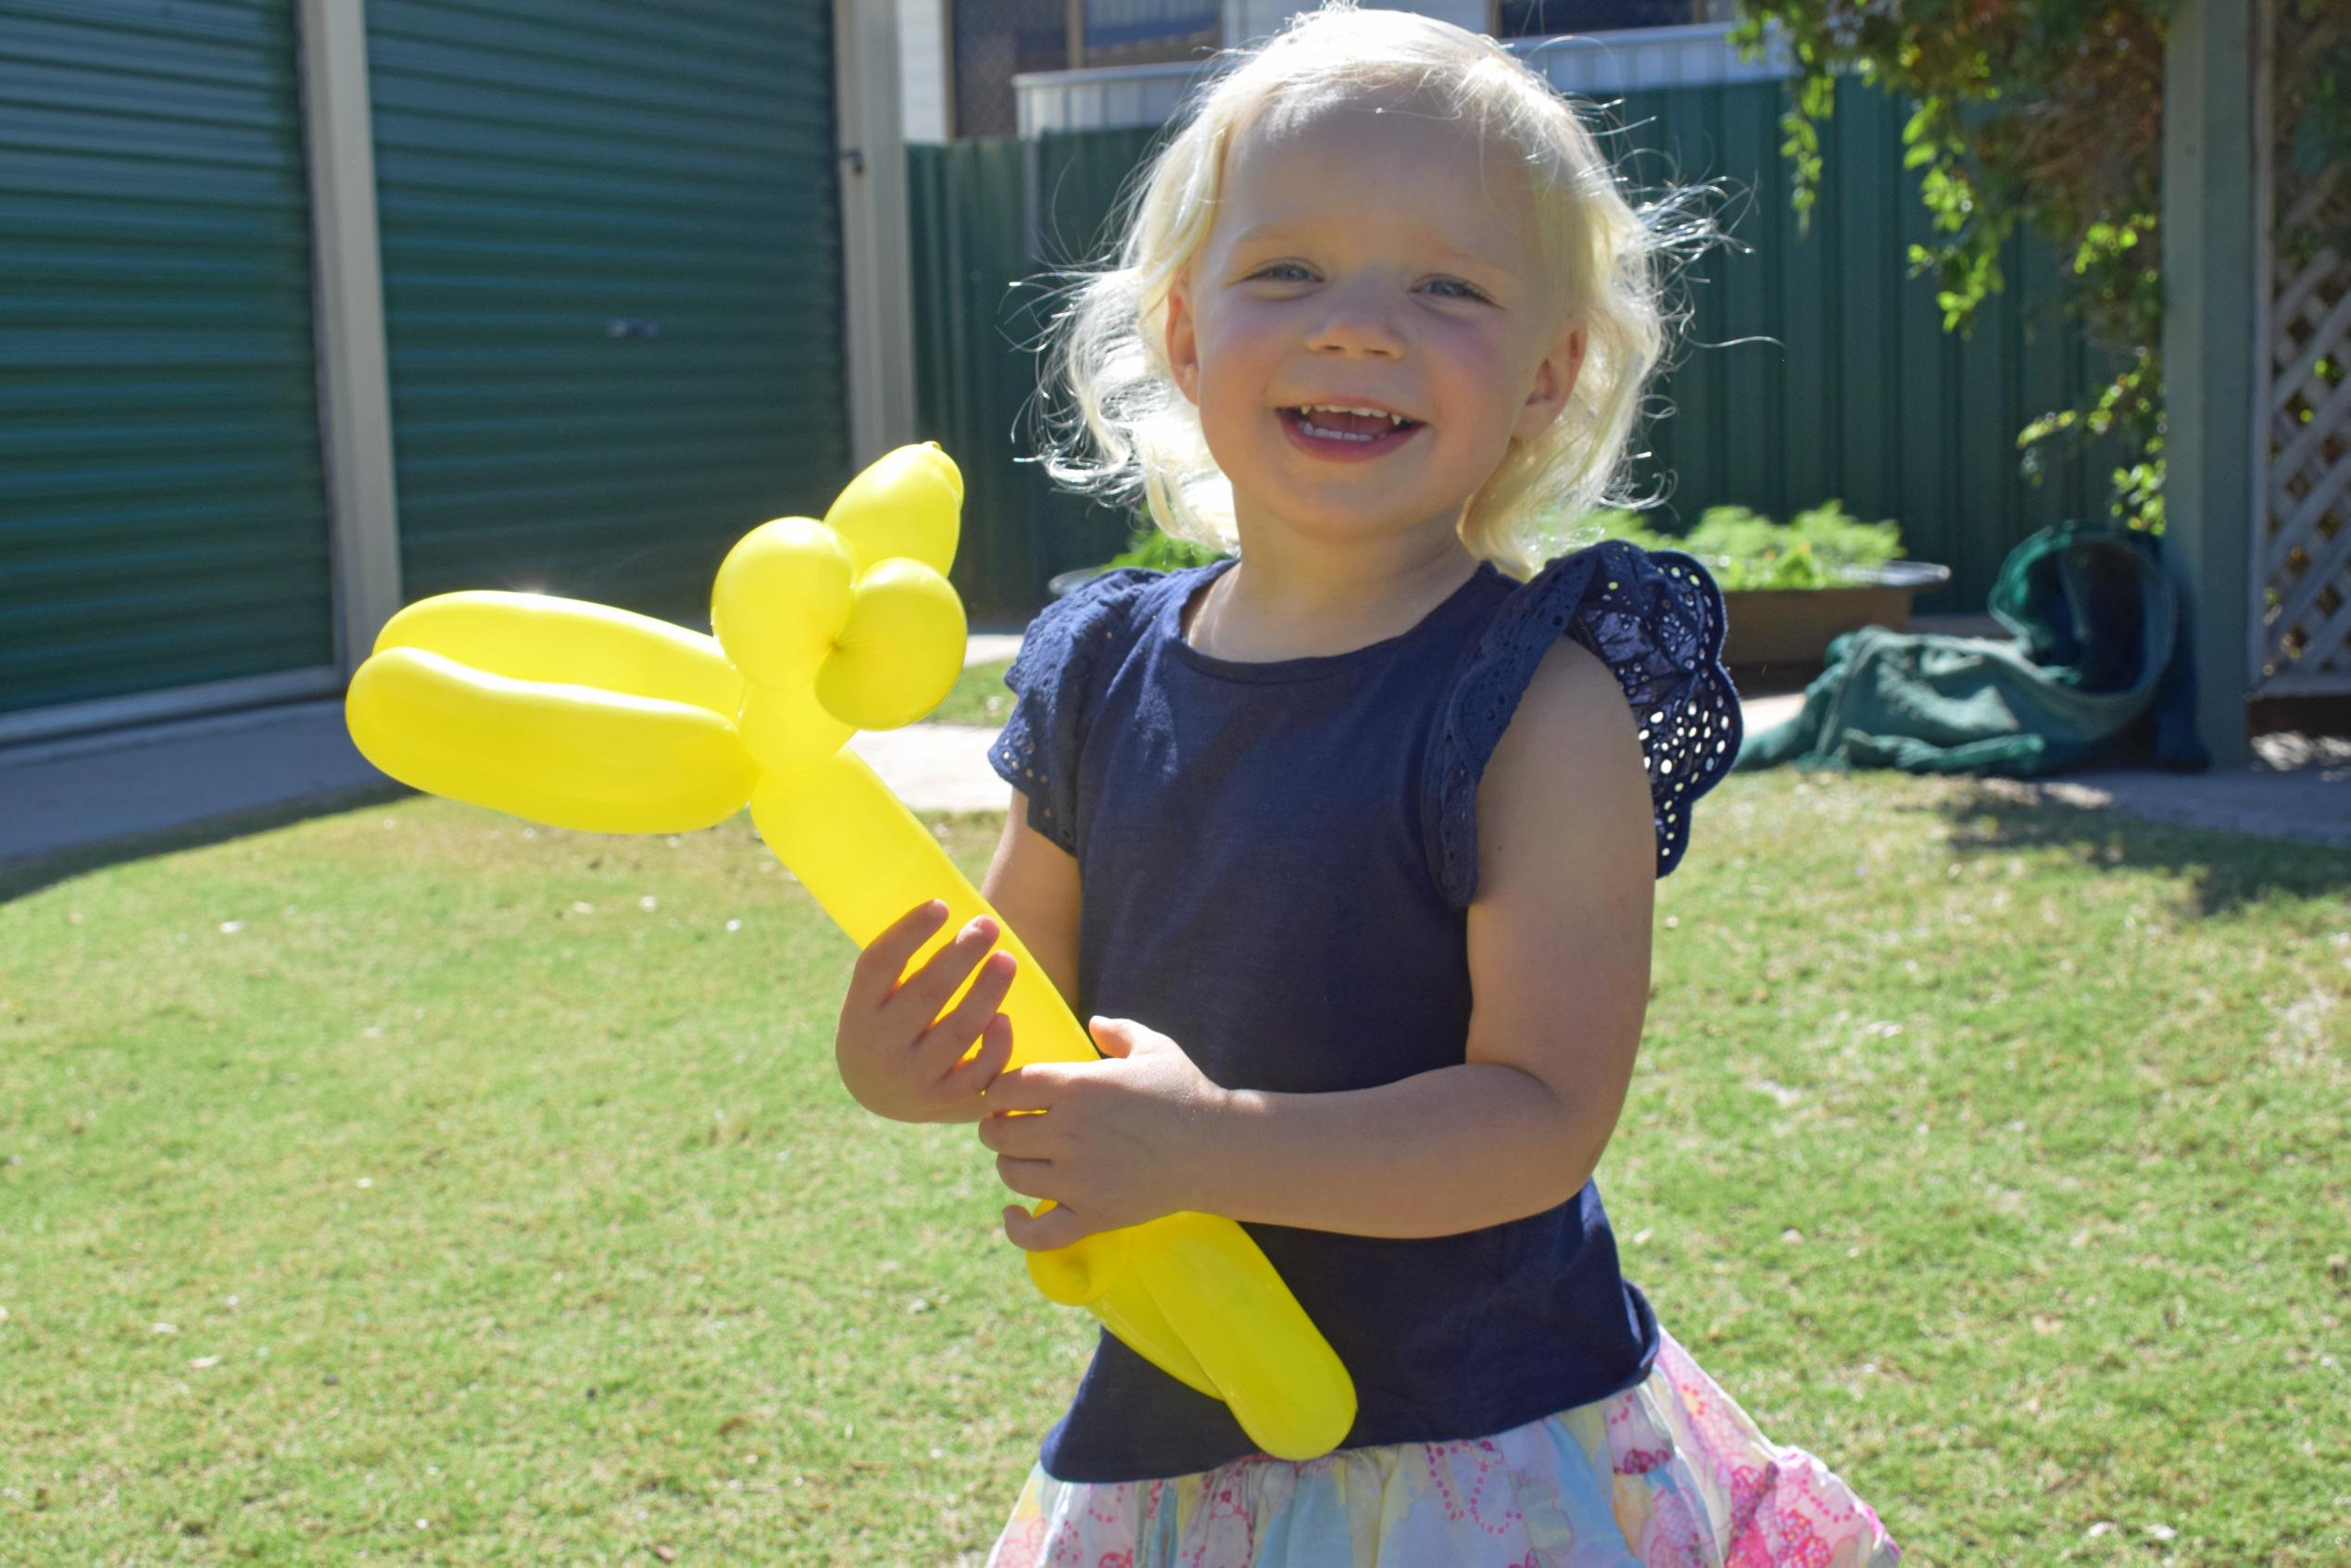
(1114, 1036)
(1019, 1137)
(1042, 1233)
(973, 1077)
(1027, 1177)
(885, 958)
(927, 990)
(952, 1035)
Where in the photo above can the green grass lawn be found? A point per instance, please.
(979, 696)
(410, 1186)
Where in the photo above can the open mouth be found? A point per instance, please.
(1346, 432)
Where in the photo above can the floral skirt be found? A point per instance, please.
(1671, 1474)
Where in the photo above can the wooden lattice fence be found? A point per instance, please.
(2301, 621)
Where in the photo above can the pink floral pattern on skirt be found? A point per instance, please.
(1668, 1474)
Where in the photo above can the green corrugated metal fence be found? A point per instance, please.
(1860, 394)
(612, 287)
(162, 517)
(1811, 369)
(977, 302)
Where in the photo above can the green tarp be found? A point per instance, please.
(2097, 626)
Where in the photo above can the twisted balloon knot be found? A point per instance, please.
(849, 624)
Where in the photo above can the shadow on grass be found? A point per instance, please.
(21, 877)
(2225, 869)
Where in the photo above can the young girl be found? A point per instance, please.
(1348, 847)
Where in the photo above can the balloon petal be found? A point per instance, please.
(573, 642)
(906, 503)
(568, 755)
(900, 652)
(782, 595)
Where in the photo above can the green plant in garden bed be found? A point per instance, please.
(1151, 548)
(411, 1184)
(1744, 549)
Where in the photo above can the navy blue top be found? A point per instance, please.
(1276, 863)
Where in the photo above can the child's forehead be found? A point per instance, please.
(1412, 163)
(1329, 125)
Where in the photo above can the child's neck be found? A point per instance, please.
(1284, 600)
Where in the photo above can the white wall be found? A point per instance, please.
(1247, 19)
(922, 45)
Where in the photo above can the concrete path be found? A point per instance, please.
(108, 796)
(2298, 789)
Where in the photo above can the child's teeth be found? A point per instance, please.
(1307, 411)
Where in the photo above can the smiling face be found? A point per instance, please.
(1366, 258)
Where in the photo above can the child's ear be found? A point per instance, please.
(1555, 381)
(1180, 342)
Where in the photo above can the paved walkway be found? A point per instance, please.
(99, 797)
(2299, 787)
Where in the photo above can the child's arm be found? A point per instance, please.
(1033, 883)
(894, 1059)
(1559, 951)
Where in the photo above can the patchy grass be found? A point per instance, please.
(409, 1185)
(979, 696)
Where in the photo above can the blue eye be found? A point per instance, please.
(1469, 291)
(1271, 268)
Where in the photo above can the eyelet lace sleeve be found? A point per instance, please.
(1656, 618)
(1053, 679)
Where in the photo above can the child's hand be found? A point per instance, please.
(1120, 1141)
(894, 1060)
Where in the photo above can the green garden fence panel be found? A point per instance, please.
(162, 511)
(612, 287)
(1813, 367)
(966, 258)
(982, 300)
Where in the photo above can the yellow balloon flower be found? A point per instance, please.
(583, 716)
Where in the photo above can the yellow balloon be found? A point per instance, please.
(572, 757)
(538, 637)
(782, 597)
(788, 729)
(590, 718)
(908, 503)
(900, 652)
(1190, 1293)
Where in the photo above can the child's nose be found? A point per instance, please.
(1355, 320)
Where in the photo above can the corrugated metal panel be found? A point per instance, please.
(1809, 368)
(1816, 369)
(162, 518)
(612, 287)
(976, 304)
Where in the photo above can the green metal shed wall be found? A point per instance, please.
(162, 516)
(1808, 369)
(612, 287)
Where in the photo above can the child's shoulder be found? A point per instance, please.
(1656, 618)
(1090, 627)
(1668, 590)
(1067, 655)
(1113, 593)
(1110, 606)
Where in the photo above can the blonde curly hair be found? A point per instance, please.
(1124, 432)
